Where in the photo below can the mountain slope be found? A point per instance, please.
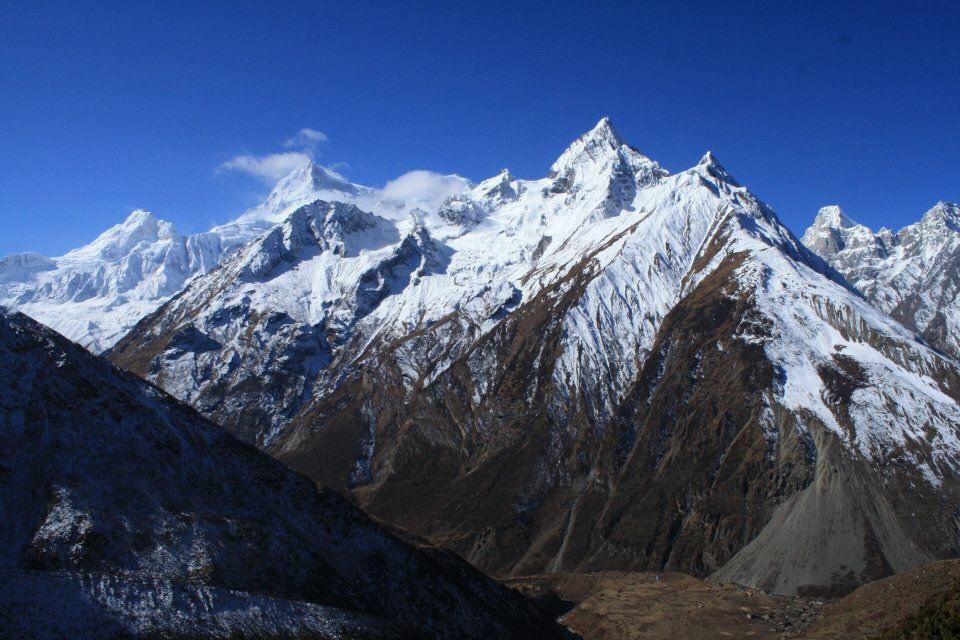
(126, 513)
(609, 367)
(912, 274)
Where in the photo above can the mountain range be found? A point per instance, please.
(912, 274)
(135, 266)
(609, 367)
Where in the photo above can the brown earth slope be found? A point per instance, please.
(890, 605)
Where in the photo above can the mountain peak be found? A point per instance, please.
(943, 213)
(314, 177)
(144, 224)
(708, 159)
(309, 181)
(832, 216)
(831, 231)
(603, 134)
(601, 142)
(604, 129)
(139, 218)
(139, 232)
(712, 166)
(302, 171)
(598, 153)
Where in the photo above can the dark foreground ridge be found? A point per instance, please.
(126, 514)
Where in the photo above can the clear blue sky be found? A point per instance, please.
(108, 106)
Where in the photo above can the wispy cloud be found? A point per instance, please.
(273, 166)
(306, 138)
(268, 168)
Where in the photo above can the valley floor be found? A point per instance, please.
(635, 606)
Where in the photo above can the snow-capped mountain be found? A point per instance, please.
(608, 367)
(305, 184)
(95, 294)
(912, 274)
(126, 514)
(518, 237)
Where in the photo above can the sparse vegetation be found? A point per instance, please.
(938, 620)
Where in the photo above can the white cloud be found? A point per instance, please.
(424, 189)
(306, 138)
(274, 166)
(268, 168)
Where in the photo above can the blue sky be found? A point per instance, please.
(105, 107)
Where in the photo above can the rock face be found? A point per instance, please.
(126, 514)
(610, 367)
(912, 274)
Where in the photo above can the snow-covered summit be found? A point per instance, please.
(598, 152)
(139, 229)
(304, 184)
(712, 167)
(833, 216)
(833, 231)
(945, 214)
(95, 293)
(594, 145)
